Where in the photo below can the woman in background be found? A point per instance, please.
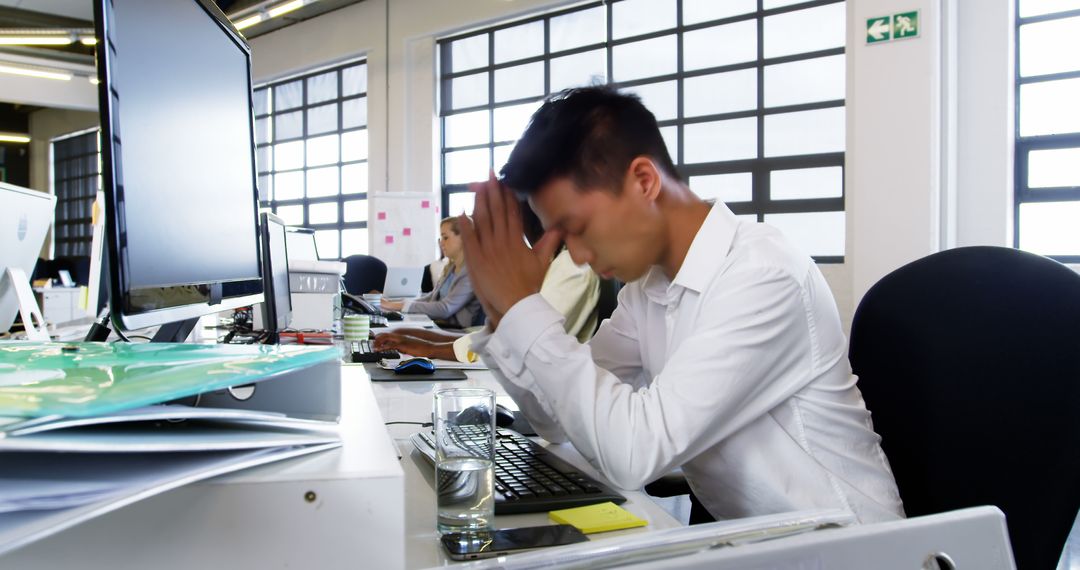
(571, 289)
(452, 301)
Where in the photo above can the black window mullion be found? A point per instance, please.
(680, 113)
(760, 167)
(491, 100)
(338, 100)
(760, 177)
(1022, 192)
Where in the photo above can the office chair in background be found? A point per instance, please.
(608, 300)
(364, 274)
(969, 361)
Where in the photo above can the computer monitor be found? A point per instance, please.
(178, 160)
(301, 243)
(277, 307)
(25, 218)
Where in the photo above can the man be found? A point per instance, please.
(725, 356)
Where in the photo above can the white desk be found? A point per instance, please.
(371, 509)
(259, 518)
(412, 401)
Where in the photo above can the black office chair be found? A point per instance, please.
(364, 274)
(969, 361)
(427, 283)
(608, 300)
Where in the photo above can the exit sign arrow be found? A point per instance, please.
(878, 29)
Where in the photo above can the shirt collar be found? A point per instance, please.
(707, 252)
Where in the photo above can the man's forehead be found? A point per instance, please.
(554, 201)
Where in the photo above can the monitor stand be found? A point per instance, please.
(28, 307)
(175, 332)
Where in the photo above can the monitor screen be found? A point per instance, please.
(277, 306)
(301, 244)
(178, 160)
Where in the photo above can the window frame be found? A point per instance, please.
(760, 167)
(305, 105)
(74, 206)
(1022, 146)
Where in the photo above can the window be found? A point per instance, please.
(312, 142)
(1047, 186)
(76, 179)
(749, 96)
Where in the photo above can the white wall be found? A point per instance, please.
(985, 76)
(46, 125)
(929, 120)
(894, 142)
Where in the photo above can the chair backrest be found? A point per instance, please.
(427, 283)
(608, 300)
(969, 361)
(363, 274)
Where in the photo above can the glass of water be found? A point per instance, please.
(464, 454)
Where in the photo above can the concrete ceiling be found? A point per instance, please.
(75, 9)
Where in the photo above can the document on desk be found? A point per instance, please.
(12, 427)
(45, 493)
(39, 379)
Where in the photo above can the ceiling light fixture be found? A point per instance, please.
(285, 8)
(248, 22)
(14, 138)
(35, 40)
(44, 73)
(88, 41)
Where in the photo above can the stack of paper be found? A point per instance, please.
(78, 438)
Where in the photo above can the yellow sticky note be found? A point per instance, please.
(597, 518)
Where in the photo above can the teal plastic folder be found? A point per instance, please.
(85, 379)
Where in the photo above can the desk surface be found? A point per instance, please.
(252, 518)
(411, 401)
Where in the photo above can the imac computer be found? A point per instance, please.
(25, 218)
(277, 306)
(178, 163)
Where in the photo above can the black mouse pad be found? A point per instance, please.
(381, 375)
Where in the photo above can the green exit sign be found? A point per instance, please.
(899, 26)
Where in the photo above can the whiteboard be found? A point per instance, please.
(404, 228)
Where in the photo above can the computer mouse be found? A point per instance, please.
(475, 415)
(417, 365)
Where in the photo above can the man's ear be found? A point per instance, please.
(643, 178)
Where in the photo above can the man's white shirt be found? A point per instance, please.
(736, 371)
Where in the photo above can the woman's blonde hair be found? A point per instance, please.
(453, 222)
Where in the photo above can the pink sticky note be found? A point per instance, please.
(425, 204)
(389, 239)
(381, 216)
(406, 232)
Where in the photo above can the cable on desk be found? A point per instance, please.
(421, 424)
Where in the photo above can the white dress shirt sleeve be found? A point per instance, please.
(748, 352)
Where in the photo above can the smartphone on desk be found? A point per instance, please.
(488, 544)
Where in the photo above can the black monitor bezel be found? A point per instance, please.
(220, 296)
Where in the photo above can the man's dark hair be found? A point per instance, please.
(590, 134)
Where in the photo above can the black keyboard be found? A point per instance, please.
(529, 478)
(362, 352)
